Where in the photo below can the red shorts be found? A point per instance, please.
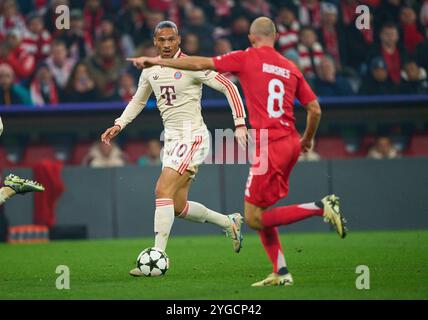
(265, 187)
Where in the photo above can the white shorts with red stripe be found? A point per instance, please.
(186, 154)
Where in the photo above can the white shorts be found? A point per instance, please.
(186, 154)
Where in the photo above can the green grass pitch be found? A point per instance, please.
(205, 267)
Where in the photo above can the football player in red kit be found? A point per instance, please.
(270, 83)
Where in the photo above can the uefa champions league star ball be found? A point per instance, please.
(153, 262)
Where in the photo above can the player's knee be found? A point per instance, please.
(163, 193)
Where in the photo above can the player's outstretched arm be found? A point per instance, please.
(132, 110)
(312, 121)
(185, 63)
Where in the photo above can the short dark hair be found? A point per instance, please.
(389, 25)
(164, 25)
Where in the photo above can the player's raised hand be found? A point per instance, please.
(144, 62)
(241, 135)
(109, 134)
(306, 144)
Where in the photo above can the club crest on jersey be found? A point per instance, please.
(177, 75)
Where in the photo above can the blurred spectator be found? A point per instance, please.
(310, 51)
(293, 55)
(36, 39)
(330, 34)
(348, 12)
(6, 57)
(411, 34)
(78, 41)
(146, 33)
(422, 52)
(414, 79)
(27, 6)
(357, 43)
(161, 5)
(328, 83)
(253, 9)
(43, 89)
(288, 28)
(219, 11)
(59, 64)
(424, 14)
(196, 23)
(378, 80)
(123, 41)
(10, 18)
(103, 156)
(10, 92)
(390, 51)
(222, 46)
(239, 33)
(310, 13)
(383, 149)
(127, 87)
(23, 63)
(152, 156)
(396, 23)
(191, 44)
(80, 86)
(131, 18)
(92, 15)
(105, 66)
(388, 12)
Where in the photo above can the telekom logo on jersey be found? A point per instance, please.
(168, 93)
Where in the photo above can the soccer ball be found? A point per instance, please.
(153, 262)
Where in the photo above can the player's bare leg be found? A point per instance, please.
(16, 185)
(171, 200)
(269, 237)
(169, 182)
(196, 212)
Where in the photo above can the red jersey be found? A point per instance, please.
(270, 83)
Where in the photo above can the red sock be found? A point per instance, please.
(282, 216)
(270, 240)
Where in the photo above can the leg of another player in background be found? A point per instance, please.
(194, 211)
(269, 237)
(5, 194)
(169, 182)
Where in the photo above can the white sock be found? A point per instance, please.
(164, 218)
(4, 195)
(197, 212)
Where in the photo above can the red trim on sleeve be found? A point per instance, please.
(235, 98)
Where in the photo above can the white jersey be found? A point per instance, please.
(178, 94)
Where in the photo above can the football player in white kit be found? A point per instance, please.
(178, 94)
(15, 185)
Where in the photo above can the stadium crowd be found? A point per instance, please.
(40, 64)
